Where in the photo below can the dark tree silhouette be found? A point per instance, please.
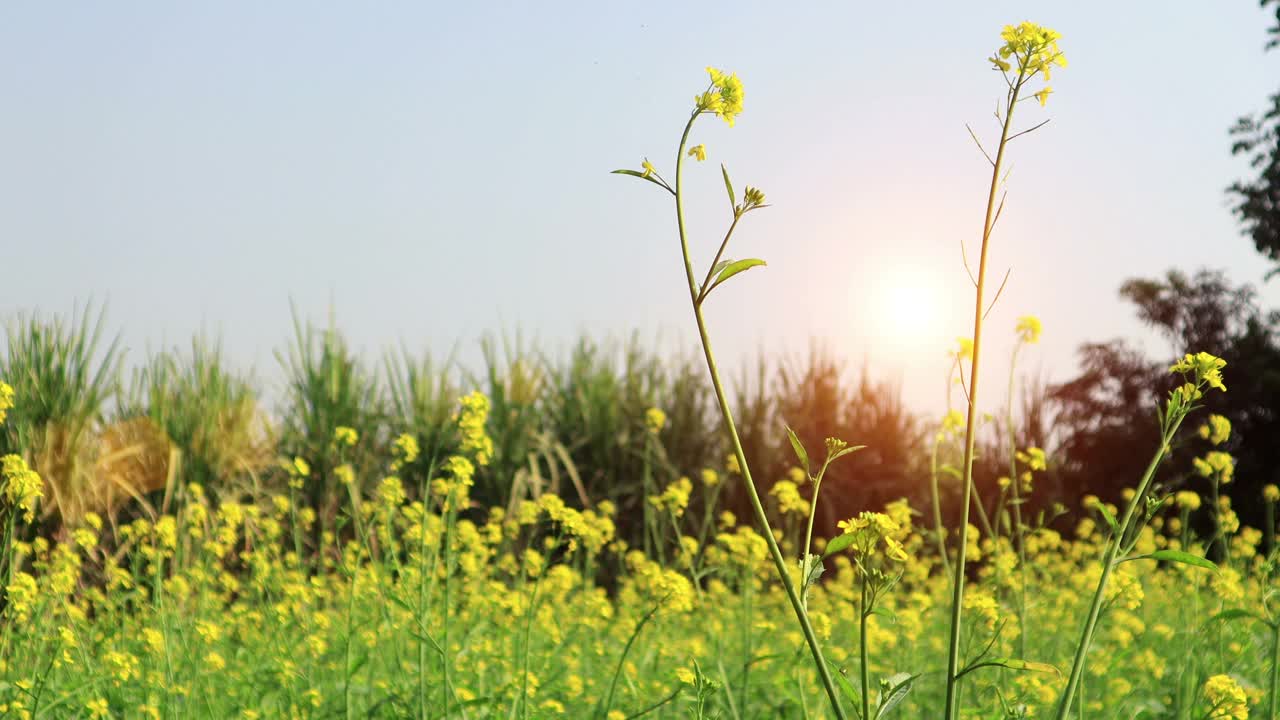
(1257, 201)
(1107, 414)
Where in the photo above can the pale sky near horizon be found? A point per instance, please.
(437, 172)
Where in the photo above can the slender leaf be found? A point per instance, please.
(900, 685)
(798, 447)
(728, 186)
(838, 543)
(1176, 556)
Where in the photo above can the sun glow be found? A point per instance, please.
(907, 312)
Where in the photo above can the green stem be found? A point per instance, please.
(706, 283)
(862, 647)
(779, 561)
(808, 536)
(613, 685)
(1273, 702)
(528, 633)
(1108, 564)
(970, 433)
(1016, 533)
(940, 533)
(449, 519)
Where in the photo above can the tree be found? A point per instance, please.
(1257, 201)
(1107, 413)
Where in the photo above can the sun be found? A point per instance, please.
(907, 312)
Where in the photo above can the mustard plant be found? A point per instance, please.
(1028, 54)
(1028, 333)
(1199, 373)
(723, 98)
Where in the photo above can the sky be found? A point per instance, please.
(432, 173)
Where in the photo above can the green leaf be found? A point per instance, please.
(1236, 614)
(846, 687)
(734, 268)
(886, 614)
(728, 186)
(847, 451)
(642, 176)
(1101, 507)
(900, 685)
(798, 447)
(1177, 556)
(838, 543)
(1028, 665)
(810, 569)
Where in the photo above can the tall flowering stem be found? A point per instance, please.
(1201, 372)
(723, 98)
(1029, 50)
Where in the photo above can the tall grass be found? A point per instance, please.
(66, 376)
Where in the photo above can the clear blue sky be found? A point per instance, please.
(438, 171)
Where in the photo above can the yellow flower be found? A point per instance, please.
(1205, 368)
(699, 152)
(406, 450)
(1028, 329)
(1217, 430)
(98, 708)
(21, 595)
(215, 662)
(654, 420)
(345, 473)
(789, 499)
(1043, 95)
(1227, 700)
(964, 349)
(725, 97)
(6, 400)
(1187, 500)
(1033, 458)
(343, 435)
(710, 477)
(1270, 493)
(22, 485)
(472, 415)
(686, 676)
(1034, 48)
(648, 167)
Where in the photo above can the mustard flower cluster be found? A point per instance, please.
(344, 436)
(788, 497)
(723, 97)
(1216, 464)
(406, 451)
(674, 498)
(22, 485)
(654, 420)
(472, 416)
(6, 400)
(1217, 429)
(1028, 329)
(1187, 500)
(1198, 371)
(298, 470)
(870, 530)
(1227, 700)
(1031, 48)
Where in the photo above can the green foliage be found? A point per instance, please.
(328, 387)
